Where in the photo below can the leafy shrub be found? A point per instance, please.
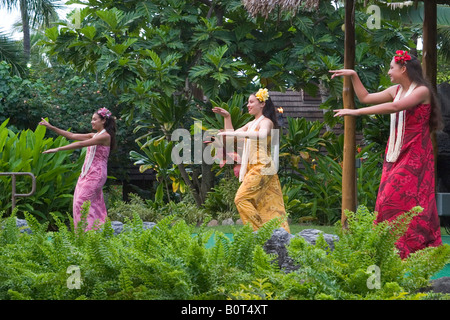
(187, 211)
(169, 261)
(154, 211)
(56, 174)
(220, 201)
(314, 192)
(165, 262)
(346, 272)
(121, 210)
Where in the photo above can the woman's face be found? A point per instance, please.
(97, 122)
(396, 71)
(254, 105)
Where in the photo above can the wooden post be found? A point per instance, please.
(429, 58)
(348, 168)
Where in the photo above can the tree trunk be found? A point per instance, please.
(26, 28)
(190, 185)
(198, 186)
(348, 169)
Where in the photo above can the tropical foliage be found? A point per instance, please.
(55, 174)
(162, 65)
(169, 262)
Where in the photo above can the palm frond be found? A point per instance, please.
(444, 39)
(11, 52)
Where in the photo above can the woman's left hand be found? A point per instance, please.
(51, 150)
(344, 112)
(220, 111)
(226, 133)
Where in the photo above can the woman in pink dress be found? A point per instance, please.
(94, 171)
(408, 178)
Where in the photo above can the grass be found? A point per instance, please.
(295, 228)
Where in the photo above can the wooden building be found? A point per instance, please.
(298, 104)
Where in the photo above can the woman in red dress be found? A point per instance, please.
(408, 178)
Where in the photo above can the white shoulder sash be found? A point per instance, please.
(396, 140)
(90, 155)
(246, 149)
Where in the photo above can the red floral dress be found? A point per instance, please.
(410, 182)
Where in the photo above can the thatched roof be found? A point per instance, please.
(264, 7)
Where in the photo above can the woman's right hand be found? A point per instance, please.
(220, 111)
(342, 72)
(44, 123)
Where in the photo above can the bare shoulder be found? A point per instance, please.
(266, 123)
(424, 93)
(102, 139)
(392, 90)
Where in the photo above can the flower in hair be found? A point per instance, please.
(402, 56)
(262, 95)
(105, 113)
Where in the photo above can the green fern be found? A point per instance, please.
(170, 262)
(344, 272)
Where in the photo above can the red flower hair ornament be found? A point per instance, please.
(402, 56)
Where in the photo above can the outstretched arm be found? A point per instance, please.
(67, 134)
(419, 95)
(363, 95)
(228, 125)
(102, 139)
(264, 130)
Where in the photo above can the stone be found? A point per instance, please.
(117, 227)
(123, 228)
(228, 222)
(311, 236)
(239, 222)
(23, 226)
(441, 285)
(213, 223)
(277, 245)
(149, 225)
(281, 238)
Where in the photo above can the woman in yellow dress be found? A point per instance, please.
(259, 198)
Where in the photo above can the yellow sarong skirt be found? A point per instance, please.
(259, 198)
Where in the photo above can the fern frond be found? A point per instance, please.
(262, 264)
(36, 227)
(9, 233)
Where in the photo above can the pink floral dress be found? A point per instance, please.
(90, 187)
(410, 182)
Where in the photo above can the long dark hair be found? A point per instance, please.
(415, 74)
(269, 112)
(110, 127)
